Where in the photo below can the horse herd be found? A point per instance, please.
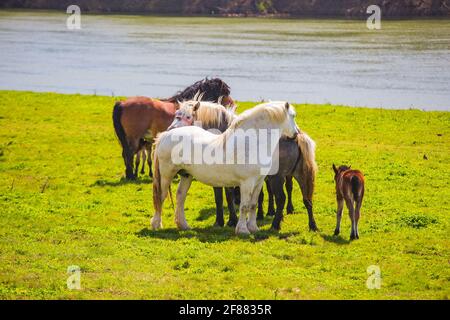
(205, 115)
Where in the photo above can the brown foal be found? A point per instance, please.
(349, 188)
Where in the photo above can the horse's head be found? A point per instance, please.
(185, 115)
(338, 171)
(289, 127)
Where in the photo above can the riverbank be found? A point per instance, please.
(63, 203)
(321, 8)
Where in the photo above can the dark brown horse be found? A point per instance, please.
(297, 160)
(142, 118)
(349, 187)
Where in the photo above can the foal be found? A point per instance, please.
(145, 153)
(349, 187)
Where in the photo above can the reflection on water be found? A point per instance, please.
(406, 64)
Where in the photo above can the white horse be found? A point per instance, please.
(275, 117)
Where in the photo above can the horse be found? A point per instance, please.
(297, 159)
(144, 152)
(349, 187)
(210, 116)
(273, 118)
(140, 118)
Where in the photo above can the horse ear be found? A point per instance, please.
(197, 105)
(335, 169)
(287, 105)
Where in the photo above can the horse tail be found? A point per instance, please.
(307, 148)
(120, 132)
(356, 186)
(157, 195)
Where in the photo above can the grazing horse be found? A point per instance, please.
(143, 118)
(275, 118)
(210, 116)
(349, 187)
(297, 160)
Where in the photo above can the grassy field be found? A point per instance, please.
(63, 203)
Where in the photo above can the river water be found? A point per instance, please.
(406, 64)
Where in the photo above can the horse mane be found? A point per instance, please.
(212, 90)
(307, 148)
(273, 110)
(213, 114)
(210, 114)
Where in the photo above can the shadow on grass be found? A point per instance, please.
(206, 213)
(212, 234)
(121, 182)
(335, 239)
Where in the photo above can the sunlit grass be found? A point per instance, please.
(62, 203)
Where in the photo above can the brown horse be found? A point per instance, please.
(141, 118)
(349, 187)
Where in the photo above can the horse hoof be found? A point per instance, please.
(252, 228)
(336, 232)
(242, 229)
(232, 223)
(183, 226)
(290, 210)
(260, 216)
(275, 228)
(219, 224)
(313, 228)
(156, 224)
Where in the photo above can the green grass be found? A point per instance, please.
(63, 203)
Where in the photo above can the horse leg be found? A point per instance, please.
(237, 196)
(137, 163)
(144, 160)
(357, 215)
(218, 196)
(246, 194)
(134, 148)
(251, 224)
(128, 160)
(289, 187)
(305, 179)
(149, 147)
(183, 187)
(232, 220)
(340, 208)
(156, 221)
(351, 212)
(277, 184)
(271, 209)
(260, 215)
